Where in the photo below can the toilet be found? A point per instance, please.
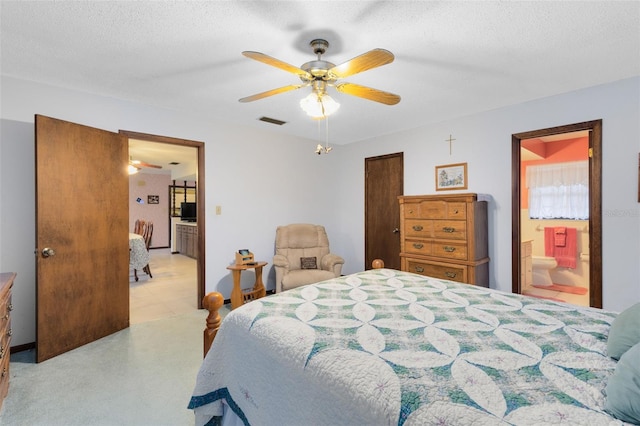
(541, 265)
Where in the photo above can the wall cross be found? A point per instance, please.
(450, 140)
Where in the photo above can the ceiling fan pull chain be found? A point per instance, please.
(327, 148)
(326, 132)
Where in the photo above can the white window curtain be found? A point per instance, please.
(559, 191)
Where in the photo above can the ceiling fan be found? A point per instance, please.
(140, 164)
(320, 73)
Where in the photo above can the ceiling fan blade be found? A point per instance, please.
(368, 93)
(272, 92)
(261, 57)
(153, 166)
(369, 60)
(139, 164)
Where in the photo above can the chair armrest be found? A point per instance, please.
(281, 264)
(329, 260)
(332, 262)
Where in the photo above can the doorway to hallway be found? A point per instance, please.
(161, 259)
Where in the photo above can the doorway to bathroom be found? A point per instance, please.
(556, 253)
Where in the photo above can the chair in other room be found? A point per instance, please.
(302, 256)
(145, 229)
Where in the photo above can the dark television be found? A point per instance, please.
(188, 212)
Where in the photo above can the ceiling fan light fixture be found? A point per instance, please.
(319, 105)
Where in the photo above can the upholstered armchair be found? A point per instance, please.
(303, 257)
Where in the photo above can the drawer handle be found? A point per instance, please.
(418, 245)
(455, 211)
(450, 274)
(417, 227)
(10, 307)
(449, 229)
(449, 249)
(419, 269)
(4, 372)
(10, 333)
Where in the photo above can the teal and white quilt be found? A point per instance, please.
(385, 347)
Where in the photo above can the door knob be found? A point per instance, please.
(396, 230)
(47, 252)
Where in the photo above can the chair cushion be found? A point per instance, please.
(308, 263)
(623, 388)
(624, 332)
(300, 277)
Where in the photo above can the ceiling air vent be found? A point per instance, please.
(272, 121)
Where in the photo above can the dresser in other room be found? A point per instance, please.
(6, 282)
(445, 236)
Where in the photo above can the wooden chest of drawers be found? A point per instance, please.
(6, 282)
(445, 236)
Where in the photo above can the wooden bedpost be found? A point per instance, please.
(212, 302)
(377, 264)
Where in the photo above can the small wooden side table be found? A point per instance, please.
(238, 296)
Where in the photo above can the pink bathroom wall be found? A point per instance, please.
(555, 152)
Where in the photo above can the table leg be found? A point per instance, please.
(259, 285)
(236, 293)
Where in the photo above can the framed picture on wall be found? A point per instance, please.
(153, 199)
(451, 176)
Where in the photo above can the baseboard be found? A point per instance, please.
(20, 348)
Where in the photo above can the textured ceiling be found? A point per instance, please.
(451, 58)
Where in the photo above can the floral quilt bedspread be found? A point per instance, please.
(394, 348)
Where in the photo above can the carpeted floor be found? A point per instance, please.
(143, 375)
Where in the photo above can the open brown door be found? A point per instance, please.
(384, 182)
(82, 249)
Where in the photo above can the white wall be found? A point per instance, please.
(260, 178)
(263, 179)
(17, 220)
(484, 142)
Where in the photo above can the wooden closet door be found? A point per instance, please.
(384, 182)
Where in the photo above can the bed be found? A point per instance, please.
(385, 347)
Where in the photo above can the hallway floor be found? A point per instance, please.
(172, 290)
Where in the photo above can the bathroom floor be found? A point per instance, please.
(560, 296)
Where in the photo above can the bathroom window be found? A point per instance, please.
(559, 191)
